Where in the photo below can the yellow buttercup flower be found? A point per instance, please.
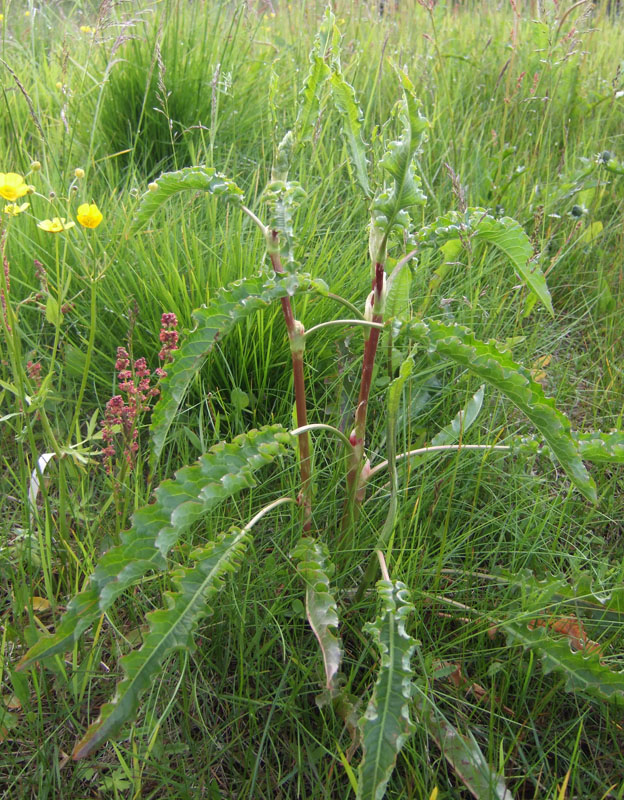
(89, 216)
(55, 225)
(12, 186)
(14, 209)
(86, 29)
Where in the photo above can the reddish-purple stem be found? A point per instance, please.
(294, 334)
(358, 437)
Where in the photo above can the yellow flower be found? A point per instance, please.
(89, 216)
(14, 210)
(1, 17)
(12, 186)
(86, 29)
(55, 225)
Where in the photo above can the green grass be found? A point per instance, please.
(515, 107)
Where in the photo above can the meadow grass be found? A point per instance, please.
(516, 105)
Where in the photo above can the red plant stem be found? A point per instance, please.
(297, 343)
(358, 438)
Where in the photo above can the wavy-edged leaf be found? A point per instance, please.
(219, 474)
(498, 369)
(582, 670)
(386, 724)
(462, 421)
(462, 752)
(194, 179)
(453, 229)
(232, 304)
(509, 236)
(351, 114)
(316, 569)
(555, 594)
(170, 629)
(391, 206)
(325, 47)
(603, 448)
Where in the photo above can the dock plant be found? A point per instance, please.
(396, 327)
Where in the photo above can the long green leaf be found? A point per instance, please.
(351, 114)
(195, 179)
(391, 206)
(581, 670)
(170, 630)
(325, 47)
(555, 595)
(223, 472)
(462, 752)
(462, 421)
(315, 568)
(508, 236)
(499, 370)
(386, 724)
(240, 300)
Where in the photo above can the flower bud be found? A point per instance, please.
(79, 172)
(153, 187)
(35, 166)
(52, 195)
(31, 189)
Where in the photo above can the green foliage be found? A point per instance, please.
(196, 490)
(476, 224)
(398, 292)
(194, 179)
(169, 630)
(283, 197)
(324, 49)
(315, 568)
(601, 447)
(462, 752)
(164, 90)
(582, 671)
(351, 114)
(464, 420)
(497, 368)
(232, 304)
(386, 724)
(390, 209)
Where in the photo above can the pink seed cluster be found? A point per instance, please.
(168, 339)
(124, 410)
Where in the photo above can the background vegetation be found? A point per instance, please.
(521, 102)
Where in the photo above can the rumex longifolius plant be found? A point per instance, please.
(400, 699)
